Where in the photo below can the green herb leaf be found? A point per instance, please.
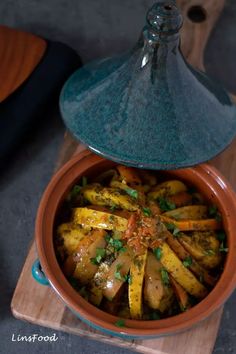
(120, 323)
(111, 218)
(74, 283)
(221, 235)
(107, 238)
(112, 208)
(165, 205)
(154, 316)
(93, 261)
(158, 253)
(223, 248)
(173, 228)
(147, 212)
(201, 278)
(128, 278)
(169, 226)
(165, 277)
(116, 243)
(192, 190)
(212, 210)
(214, 213)
(83, 292)
(84, 181)
(187, 261)
(209, 252)
(117, 273)
(132, 192)
(74, 192)
(176, 232)
(100, 253)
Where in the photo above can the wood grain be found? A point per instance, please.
(20, 52)
(194, 36)
(198, 340)
(41, 311)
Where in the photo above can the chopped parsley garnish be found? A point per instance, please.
(100, 253)
(187, 261)
(76, 189)
(128, 278)
(147, 212)
(74, 192)
(176, 231)
(83, 292)
(84, 181)
(201, 278)
(214, 212)
(116, 244)
(112, 208)
(223, 248)
(221, 236)
(120, 323)
(165, 205)
(209, 253)
(192, 190)
(158, 253)
(173, 228)
(154, 316)
(117, 273)
(111, 218)
(132, 192)
(74, 283)
(165, 277)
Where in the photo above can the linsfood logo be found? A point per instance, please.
(33, 338)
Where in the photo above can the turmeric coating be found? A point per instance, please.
(138, 245)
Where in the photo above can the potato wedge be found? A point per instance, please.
(148, 177)
(180, 273)
(181, 294)
(203, 246)
(85, 269)
(69, 265)
(99, 195)
(180, 199)
(191, 225)
(138, 192)
(166, 189)
(196, 268)
(137, 271)
(71, 236)
(116, 275)
(157, 295)
(99, 219)
(129, 175)
(98, 283)
(192, 212)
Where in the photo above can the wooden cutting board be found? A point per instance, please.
(40, 305)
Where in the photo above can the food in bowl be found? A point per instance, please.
(139, 245)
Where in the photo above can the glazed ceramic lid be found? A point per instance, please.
(149, 108)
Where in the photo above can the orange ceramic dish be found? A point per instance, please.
(204, 177)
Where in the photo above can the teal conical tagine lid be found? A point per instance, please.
(149, 108)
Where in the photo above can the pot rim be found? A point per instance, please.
(57, 189)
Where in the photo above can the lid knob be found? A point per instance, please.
(164, 17)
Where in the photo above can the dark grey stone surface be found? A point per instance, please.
(94, 29)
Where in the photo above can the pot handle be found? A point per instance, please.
(38, 273)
